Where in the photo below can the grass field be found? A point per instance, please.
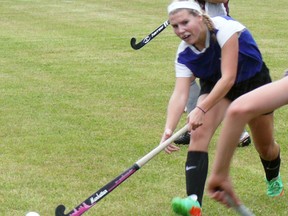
(79, 106)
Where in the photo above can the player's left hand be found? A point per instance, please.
(171, 147)
(219, 187)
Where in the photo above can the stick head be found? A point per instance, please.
(60, 211)
(134, 45)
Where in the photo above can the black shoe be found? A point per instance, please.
(184, 139)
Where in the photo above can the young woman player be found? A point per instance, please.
(212, 8)
(222, 53)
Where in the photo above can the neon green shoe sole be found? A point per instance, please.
(186, 207)
(275, 187)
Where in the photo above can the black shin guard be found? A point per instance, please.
(196, 173)
(271, 168)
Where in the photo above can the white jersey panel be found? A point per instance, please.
(226, 28)
(181, 69)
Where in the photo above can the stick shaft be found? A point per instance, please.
(160, 147)
(105, 190)
(97, 196)
(240, 209)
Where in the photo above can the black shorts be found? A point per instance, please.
(259, 79)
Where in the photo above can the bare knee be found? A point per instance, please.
(237, 111)
(199, 140)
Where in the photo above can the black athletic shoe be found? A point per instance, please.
(184, 139)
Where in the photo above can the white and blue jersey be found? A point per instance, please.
(206, 64)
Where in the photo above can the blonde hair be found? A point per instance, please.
(210, 25)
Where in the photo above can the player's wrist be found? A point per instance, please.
(204, 111)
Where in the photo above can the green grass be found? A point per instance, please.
(79, 106)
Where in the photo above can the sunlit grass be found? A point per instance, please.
(79, 106)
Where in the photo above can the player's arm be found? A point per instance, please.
(229, 62)
(178, 101)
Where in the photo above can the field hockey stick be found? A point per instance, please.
(104, 191)
(240, 209)
(148, 38)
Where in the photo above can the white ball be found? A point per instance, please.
(32, 214)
